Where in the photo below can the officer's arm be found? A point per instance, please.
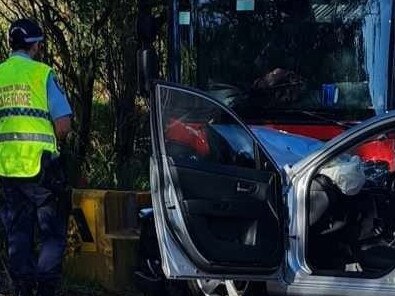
(60, 109)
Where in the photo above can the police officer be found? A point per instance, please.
(34, 117)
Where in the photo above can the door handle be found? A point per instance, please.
(245, 187)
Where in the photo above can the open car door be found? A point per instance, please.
(217, 194)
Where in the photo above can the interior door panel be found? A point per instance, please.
(223, 221)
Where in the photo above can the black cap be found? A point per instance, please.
(25, 32)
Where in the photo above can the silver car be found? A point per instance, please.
(239, 205)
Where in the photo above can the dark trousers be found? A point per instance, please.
(30, 209)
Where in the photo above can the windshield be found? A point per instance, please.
(291, 55)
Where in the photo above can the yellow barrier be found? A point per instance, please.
(103, 232)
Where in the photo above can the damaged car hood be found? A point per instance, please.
(285, 148)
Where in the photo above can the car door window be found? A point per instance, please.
(203, 133)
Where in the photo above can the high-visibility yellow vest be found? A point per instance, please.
(26, 129)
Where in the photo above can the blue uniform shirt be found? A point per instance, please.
(58, 105)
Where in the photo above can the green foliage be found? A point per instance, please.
(101, 169)
(92, 45)
(188, 65)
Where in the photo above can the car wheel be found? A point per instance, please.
(225, 288)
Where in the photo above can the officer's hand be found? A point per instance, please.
(62, 127)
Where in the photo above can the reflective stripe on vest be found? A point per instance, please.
(26, 130)
(25, 112)
(27, 137)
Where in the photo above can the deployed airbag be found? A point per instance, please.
(347, 172)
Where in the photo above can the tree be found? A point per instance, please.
(120, 75)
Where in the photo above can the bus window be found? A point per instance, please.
(329, 58)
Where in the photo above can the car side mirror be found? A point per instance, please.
(147, 70)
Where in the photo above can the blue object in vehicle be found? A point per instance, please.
(146, 213)
(330, 95)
